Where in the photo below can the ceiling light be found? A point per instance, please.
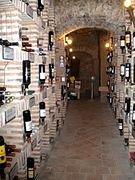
(127, 3)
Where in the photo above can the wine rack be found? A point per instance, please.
(123, 95)
(25, 33)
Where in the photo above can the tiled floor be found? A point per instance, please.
(89, 146)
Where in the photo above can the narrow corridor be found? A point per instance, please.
(89, 146)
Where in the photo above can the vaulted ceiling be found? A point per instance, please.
(75, 14)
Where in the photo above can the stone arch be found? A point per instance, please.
(72, 15)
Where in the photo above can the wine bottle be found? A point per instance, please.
(127, 71)
(122, 70)
(127, 105)
(122, 42)
(110, 100)
(113, 70)
(11, 154)
(40, 7)
(112, 87)
(108, 83)
(133, 114)
(9, 159)
(51, 40)
(133, 41)
(42, 112)
(108, 70)
(63, 91)
(133, 131)
(51, 71)
(57, 125)
(120, 125)
(2, 153)
(42, 73)
(7, 43)
(11, 148)
(1, 41)
(2, 174)
(26, 73)
(2, 89)
(109, 57)
(128, 39)
(134, 74)
(25, 39)
(28, 49)
(27, 122)
(30, 168)
(41, 52)
(26, 44)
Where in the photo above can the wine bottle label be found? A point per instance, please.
(112, 70)
(26, 73)
(120, 126)
(127, 38)
(133, 115)
(68, 85)
(125, 106)
(30, 173)
(122, 43)
(42, 75)
(110, 100)
(42, 113)
(122, 71)
(127, 72)
(28, 126)
(52, 37)
(63, 79)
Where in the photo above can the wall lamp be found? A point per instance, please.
(70, 50)
(107, 45)
(130, 10)
(73, 57)
(68, 41)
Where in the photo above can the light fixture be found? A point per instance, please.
(73, 57)
(69, 41)
(70, 50)
(127, 3)
(130, 9)
(107, 45)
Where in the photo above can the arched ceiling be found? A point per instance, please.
(75, 14)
